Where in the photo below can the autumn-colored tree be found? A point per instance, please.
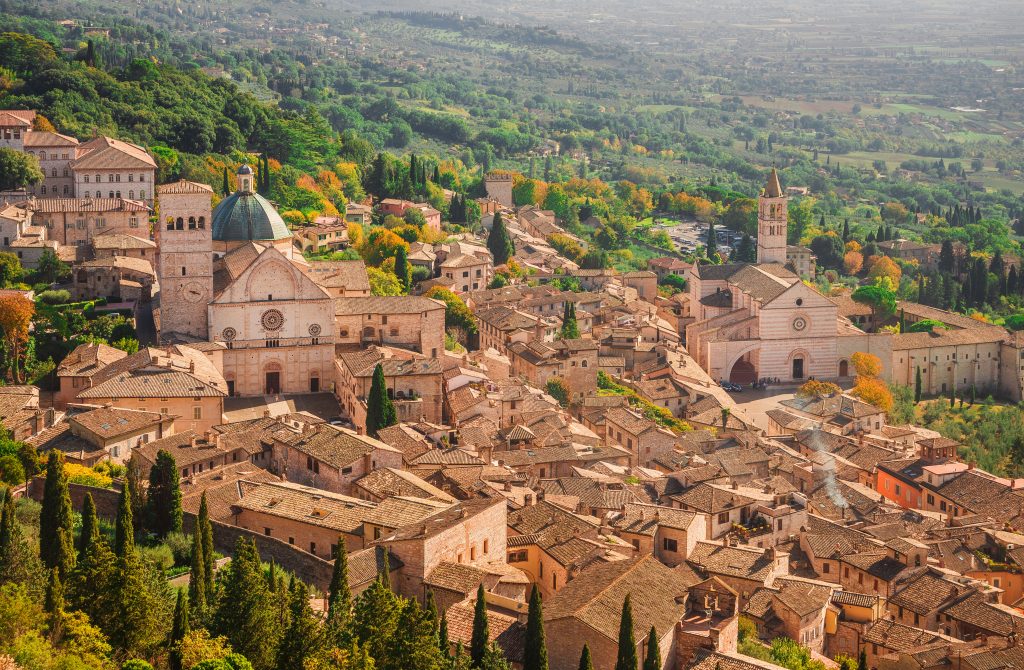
(853, 261)
(16, 313)
(853, 245)
(814, 388)
(883, 266)
(866, 365)
(873, 391)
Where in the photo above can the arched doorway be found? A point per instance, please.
(743, 372)
(798, 367)
(844, 368)
(272, 379)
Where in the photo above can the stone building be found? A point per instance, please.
(109, 168)
(414, 383)
(329, 457)
(499, 188)
(76, 221)
(56, 153)
(408, 322)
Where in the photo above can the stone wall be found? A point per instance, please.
(307, 567)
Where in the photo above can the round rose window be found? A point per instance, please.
(314, 329)
(799, 323)
(228, 334)
(272, 319)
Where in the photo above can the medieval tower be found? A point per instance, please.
(772, 222)
(184, 237)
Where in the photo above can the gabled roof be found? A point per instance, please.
(106, 153)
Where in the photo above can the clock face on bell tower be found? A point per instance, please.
(192, 291)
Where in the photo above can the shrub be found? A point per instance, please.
(79, 474)
(161, 556)
(57, 297)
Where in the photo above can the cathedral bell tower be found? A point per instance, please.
(184, 238)
(772, 222)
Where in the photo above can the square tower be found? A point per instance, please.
(184, 238)
(772, 222)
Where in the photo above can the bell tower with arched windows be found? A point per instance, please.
(184, 265)
(772, 221)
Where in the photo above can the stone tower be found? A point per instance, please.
(772, 222)
(184, 238)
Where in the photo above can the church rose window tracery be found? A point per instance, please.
(272, 320)
(315, 330)
(228, 334)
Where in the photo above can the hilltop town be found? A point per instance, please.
(695, 478)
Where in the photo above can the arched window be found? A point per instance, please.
(111, 195)
(191, 223)
(131, 195)
(42, 155)
(118, 194)
(170, 223)
(179, 224)
(202, 222)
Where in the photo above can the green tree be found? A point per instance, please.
(880, 299)
(225, 188)
(557, 389)
(197, 576)
(10, 269)
(124, 527)
(247, 608)
(711, 242)
(179, 629)
(380, 411)
(414, 644)
(481, 633)
(19, 563)
(204, 525)
(303, 640)
(164, 496)
(626, 659)
(535, 651)
(917, 384)
(375, 617)
(51, 269)
(90, 526)
(402, 268)
(652, 660)
(339, 602)
(143, 610)
(586, 663)
(56, 513)
(499, 242)
(570, 328)
(18, 169)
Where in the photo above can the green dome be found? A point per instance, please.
(247, 216)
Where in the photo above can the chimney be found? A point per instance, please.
(735, 485)
(266, 414)
(191, 366)
(195, 440)
(508, 485)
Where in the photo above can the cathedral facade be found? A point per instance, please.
(759, 320)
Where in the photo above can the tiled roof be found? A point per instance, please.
(406, 440)
(506, 631)
(506, 318)
(743, 562)
(926, 593)
(106, 153)
(349, 275)
(401, 304)
(183, 186)
(657, 594)
(121, 241)
(332, 445)
(177, 372)
(977, 611)
(88, 359)
(45, 138)
(446, 519)
(306, 505)
(388, 482)
(458, 577)
(644, 519)
(876, 565)
(73, 205)
(396, 512)
(898, 637)
(114, 422)
(364, 565)
(187, 448)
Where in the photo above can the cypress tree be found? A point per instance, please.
(136, 492)
(586, 663)
(652, 661)
(304, 638)
(18, 561)
(380, 411)
(626, 659)
(862, 660)
(246, 614)
(414, 644)
(56, 512)
(917, 384)
(711, 243)
(384, 574)
(197, 577)
(481, 632)
(535, 653)
(7, 524)
(499, 242)
(164, 499)
(402, 268)
(339, 602)
(179, 629)
(90, 526)
(846, 230)
(124, 529)
(375, 617)
(53, 602)
(225, 188)
(66, 555)
(570, 328)
(203, 523)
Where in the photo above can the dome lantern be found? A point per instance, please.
(245, 175)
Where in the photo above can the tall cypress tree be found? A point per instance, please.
(586, 663)
(481, 632)
(652, 660)
(18, 561)
(225, 187)
(203, 524)
(375, 617)
(67, 557)
(414, 644)
(124, 528)
(304, 638)
(7, 523)
(917, 384)
(380, 411)
(499, 242)
(535, 652)
(197, 577)
(56, 512)
(53, 601)
(626, 659)
(164, 499)
(90, 526)
(570, 328)
(402, 268)
(339, 602)
(247, 610)
(179, 629)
